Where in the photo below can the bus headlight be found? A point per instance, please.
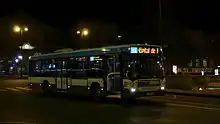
(162, 88)
(133, 90)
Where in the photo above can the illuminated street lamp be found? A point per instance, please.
(83, 32)
(25, 29)
(16, 28)
(78, 32)
(119, 37)
(19, 29)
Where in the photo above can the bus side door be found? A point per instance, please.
(62, 74)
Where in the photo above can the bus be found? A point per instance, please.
(129, 71)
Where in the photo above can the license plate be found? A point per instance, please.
(149, 93)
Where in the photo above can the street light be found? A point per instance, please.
(16, 28)
(83, 32)
(25, 29)
(78, 32)
(20, 29)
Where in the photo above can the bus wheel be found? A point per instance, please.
(127, 96)
(95, 91)
(45, 87)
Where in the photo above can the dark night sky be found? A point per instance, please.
(187, 14)
(193, 13)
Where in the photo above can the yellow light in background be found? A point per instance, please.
(85, 32)
(16, 28)
(25, 29)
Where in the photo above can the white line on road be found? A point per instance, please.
(193, 106)
(23, 88)
(13, 89)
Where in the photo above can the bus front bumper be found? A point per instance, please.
(141, 93)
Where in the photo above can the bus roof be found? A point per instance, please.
(88, 52)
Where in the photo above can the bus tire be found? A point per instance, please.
(45, 87)
(127, 96)
(95, 91)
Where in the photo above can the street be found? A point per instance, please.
(19, 105)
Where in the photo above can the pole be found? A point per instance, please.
(160, 9)
(21, 71)
(160, 20)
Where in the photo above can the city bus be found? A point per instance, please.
(129, 71)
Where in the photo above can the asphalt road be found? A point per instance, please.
(20, 106)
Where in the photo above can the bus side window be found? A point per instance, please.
(47, 68)
(95, 67)
(78, 67)
(35, 68)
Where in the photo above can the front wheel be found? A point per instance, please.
(128, 96)
(95, 92)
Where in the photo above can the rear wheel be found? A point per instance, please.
(45, 87)
(95, 91)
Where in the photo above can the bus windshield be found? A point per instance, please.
(146, 66)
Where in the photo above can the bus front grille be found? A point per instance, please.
(148, 83)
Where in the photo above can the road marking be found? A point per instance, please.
(23, 88)
(113, 96)
(13, 89)
(193, 106)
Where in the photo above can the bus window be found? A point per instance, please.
(79, 66)
(35, 68)
(95, 62)
(79, 63)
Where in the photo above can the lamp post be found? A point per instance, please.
(84, 32)
(25, 46)
(83, 35)
(20, 30)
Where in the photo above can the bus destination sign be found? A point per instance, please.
(144, 50)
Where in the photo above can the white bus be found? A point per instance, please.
(128, 70)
